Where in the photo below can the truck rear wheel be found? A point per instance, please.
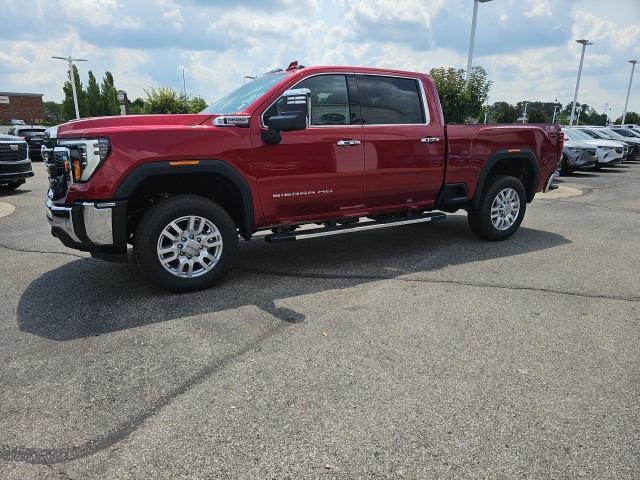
(185, 243)
(501, 210)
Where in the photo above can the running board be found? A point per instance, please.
(350, 228)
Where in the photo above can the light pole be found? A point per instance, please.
(579, 110)
(472, 38)
(524, 114)
(72, 77)
(555, 109)
(575, 94)
(486, 110)
(626, 103)
(607, 111)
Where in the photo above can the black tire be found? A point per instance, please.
(565, 168)
(480, 219)
(597, 166)
(153, 222)
(7, 187)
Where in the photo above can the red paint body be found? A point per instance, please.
(391, 170)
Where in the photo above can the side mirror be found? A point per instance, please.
(293, 109)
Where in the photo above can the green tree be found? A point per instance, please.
(503, 112)
(461, 101)
(136, 107)
(536, 112)
(109, 95)
(631, 117)
(68, 108)
(166, 100)
(197, 104)
(53, 112)
(95, 106)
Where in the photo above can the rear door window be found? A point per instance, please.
(390, 100)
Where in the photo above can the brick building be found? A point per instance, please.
(22, 106)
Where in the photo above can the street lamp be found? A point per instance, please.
(72, 77)
(626, 103)
(473, 35)
(575, 94)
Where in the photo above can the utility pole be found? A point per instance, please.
(626, 103)
(472, 37)
(584, 44)
(72, 77)
(184, 85)
(524, 114)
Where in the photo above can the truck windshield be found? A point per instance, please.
(244, 96)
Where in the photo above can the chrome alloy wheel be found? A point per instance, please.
(505, 209)
(189, 246)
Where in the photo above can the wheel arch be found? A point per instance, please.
(204, 178)
(521, 164)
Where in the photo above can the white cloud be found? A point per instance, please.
(531, 52)
(175, 18)
(539, 8)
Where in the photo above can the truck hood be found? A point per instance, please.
(84, 126)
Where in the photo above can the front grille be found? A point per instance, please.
(8, 154)
(58, 176)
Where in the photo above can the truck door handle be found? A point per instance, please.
(429, 139)
(348, 143)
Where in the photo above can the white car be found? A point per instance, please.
(609, 152)
(631, 142)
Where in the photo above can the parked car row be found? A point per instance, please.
(594, 147)
(15, 164)
(33, 135)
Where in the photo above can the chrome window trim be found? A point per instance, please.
(422, 93)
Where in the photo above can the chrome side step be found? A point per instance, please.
(350, 228)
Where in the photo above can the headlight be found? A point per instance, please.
(84, 155)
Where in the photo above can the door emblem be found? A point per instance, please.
(302, 194)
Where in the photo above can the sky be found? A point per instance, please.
(527, 46)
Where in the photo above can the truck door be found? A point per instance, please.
(318, 172)
(404, 153)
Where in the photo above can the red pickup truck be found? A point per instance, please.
(300, 153)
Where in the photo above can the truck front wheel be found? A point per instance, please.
(185, 243)
(501, 210)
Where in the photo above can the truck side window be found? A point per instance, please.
(390, 100)
(329, 100)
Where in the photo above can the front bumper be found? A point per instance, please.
(96, 227)
(19, 170)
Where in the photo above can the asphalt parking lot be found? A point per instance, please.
(415, 352)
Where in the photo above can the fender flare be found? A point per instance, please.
(153, 169)
(502, 155)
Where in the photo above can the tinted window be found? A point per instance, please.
(389, 100)
(329, 100)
